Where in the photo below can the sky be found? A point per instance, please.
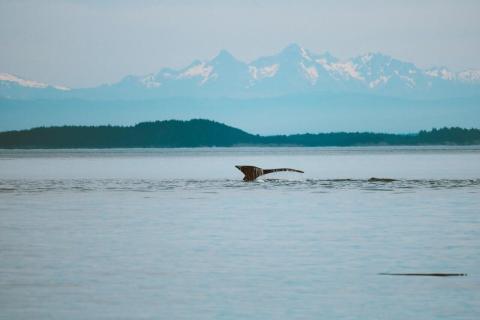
(86, 43)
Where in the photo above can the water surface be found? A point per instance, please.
(176, 234)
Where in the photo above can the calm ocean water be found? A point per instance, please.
(177, 234)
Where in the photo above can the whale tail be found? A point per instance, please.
(251, 172)
(266, 171)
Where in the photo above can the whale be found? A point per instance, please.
(251, 172)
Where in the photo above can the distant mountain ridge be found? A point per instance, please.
(295, 70)
(206, 133)
(295, 90)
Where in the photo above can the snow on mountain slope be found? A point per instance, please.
(200, 70)
(9, 78)
(469, 76)
(265, 72)
(442, 73)
(149, 81)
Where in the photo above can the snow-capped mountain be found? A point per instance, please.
(12, 86)
(294, 70)
(12, 80)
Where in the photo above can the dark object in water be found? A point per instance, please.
(381, 180)
(251, 173)
(426, 274)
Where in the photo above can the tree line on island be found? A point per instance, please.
(206, 133)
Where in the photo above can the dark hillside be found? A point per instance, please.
(206, 133)
(171, 133)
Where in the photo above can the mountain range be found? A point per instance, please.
(293, 91)
(294, 70)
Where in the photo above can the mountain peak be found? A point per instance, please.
(224, 56)
(295, 52)
(292, 48)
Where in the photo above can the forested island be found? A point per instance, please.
(206, 133)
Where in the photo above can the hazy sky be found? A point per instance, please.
(86, 43)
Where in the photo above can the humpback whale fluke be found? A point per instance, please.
(251, 172)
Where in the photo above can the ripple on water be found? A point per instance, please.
(214, 186)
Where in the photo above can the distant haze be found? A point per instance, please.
(86, 43)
